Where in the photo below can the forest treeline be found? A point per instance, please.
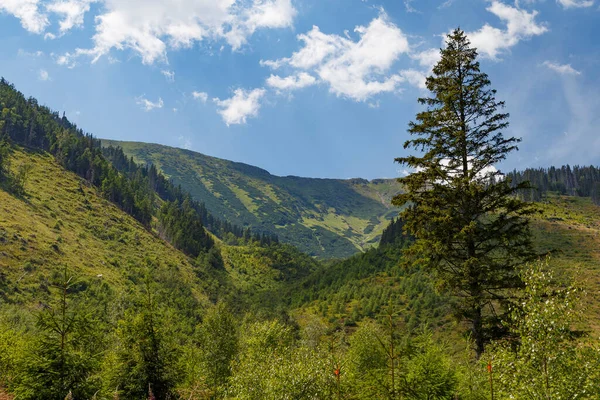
(139, 190)
(578, 180)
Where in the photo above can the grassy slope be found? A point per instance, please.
(569, 227)
(60, 221)
(329, 218)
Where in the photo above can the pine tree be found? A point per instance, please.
(60, 362)
(469, 225)
(146, 361)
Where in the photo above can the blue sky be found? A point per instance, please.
(320, 88)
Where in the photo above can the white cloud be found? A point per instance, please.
(27, 11)
(520, 25)
(427, 58)
(148, 105)
(65, 60)
(24, 53)
(291, 82)
(576, 3)
(150, 27)
(409, 8)
(169, 75)
(202, 96)
(43, 75)
(414, 77)
(240, 106)
(563, 69)
(353, 69)
(483, 171)
(72, 12)
(34, 13)
(270, 14)
(263, 14)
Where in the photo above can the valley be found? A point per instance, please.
(327, 218)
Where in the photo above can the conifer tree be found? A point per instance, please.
(60, 362)
(146, 360)
(470, 227)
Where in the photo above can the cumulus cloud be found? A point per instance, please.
(201, 96)
(520, 25)
(148, 105)
(28, 12)
(414, 77)
(563, 69)
(240, 106)
(291, 82)
(355, 69)
(71, 11)
(65, 60)
(427, 58)
(151, 27)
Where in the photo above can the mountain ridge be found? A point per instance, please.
(324, 217)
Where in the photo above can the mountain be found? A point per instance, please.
(61, 220)
(328, 218)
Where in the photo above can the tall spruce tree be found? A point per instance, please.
(470, 227)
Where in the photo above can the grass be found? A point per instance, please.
(569, 228)
(62, 221)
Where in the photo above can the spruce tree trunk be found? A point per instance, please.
(477, 330)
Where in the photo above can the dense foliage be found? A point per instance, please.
(393, 233)
(82, 347)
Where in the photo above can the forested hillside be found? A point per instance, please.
(328, 218)
(581, 181)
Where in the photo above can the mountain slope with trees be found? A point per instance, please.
(328, 218)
